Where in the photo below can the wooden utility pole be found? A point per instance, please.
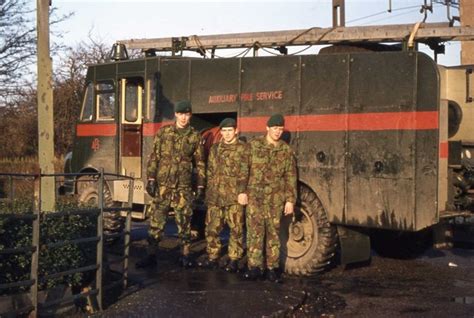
(45, 107)
(338, 13)
(467, 19)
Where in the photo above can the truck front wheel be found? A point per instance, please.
(308, 239)
(89, 195)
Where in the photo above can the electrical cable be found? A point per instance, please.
(393, 16)
(303, 33)
(203, 51)
(301, 51)
(382, 12)
(454, 5)
(268, 51)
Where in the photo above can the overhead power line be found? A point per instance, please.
(452, 3)
(391, 16)
(382, 12)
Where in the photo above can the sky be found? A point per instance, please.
(110, 21)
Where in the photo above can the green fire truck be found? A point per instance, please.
(383, 136)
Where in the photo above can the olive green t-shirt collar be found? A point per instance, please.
(183, 131)
(229, 145)
(267, 144)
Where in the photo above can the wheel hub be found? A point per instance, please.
(300, 235)
(297, 231)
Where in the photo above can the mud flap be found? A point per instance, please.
(355, 245)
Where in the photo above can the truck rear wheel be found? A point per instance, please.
(89, 195)
(308, 240)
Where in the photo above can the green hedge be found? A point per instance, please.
(16, 233)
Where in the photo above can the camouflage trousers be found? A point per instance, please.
(263, 235)
(233, 216)
(180, 200)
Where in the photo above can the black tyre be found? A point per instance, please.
(89, 195)
(308, 239)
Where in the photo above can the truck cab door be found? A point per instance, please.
(131, 102)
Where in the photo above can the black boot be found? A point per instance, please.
(147, 261)
(185, 261)
(273, 275)
(233, 266)
(208, 263)
(253, 273)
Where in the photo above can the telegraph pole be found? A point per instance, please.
(45, 107)
(467, 19)
(338, 13)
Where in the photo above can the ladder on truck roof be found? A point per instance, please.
(428, 33)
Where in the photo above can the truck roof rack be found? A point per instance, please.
(419, 32)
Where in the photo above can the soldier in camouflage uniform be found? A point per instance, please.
(227, 175)
(177, 148)
(271, 191)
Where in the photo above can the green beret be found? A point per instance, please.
(228, 122)
(276, 120)
(183, 106)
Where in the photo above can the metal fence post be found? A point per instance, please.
(128, 229)
(35, 243)
(100, 242)
(12, 192)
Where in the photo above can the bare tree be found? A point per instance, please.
(18, 44)
(69, 88)
(18, 127)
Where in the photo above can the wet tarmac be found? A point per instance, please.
(429, 286)
(204, 294)
(171, 291)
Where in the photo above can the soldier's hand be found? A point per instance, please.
(151, 187)
(243, 199)
(200, 194)
(289, 208)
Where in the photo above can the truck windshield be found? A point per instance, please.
(105, 100)
(88, 104)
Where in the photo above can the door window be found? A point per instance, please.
(132, 97)
(150, 110)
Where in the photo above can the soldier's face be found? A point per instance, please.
(275, 132)
(182, 119)
(229, 134)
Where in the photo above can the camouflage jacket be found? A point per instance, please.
(273, 176)
(173, 157)
(227, 173)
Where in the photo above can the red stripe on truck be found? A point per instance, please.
(332, 122)
(150, 129)
(346, 122)
(106, 130)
